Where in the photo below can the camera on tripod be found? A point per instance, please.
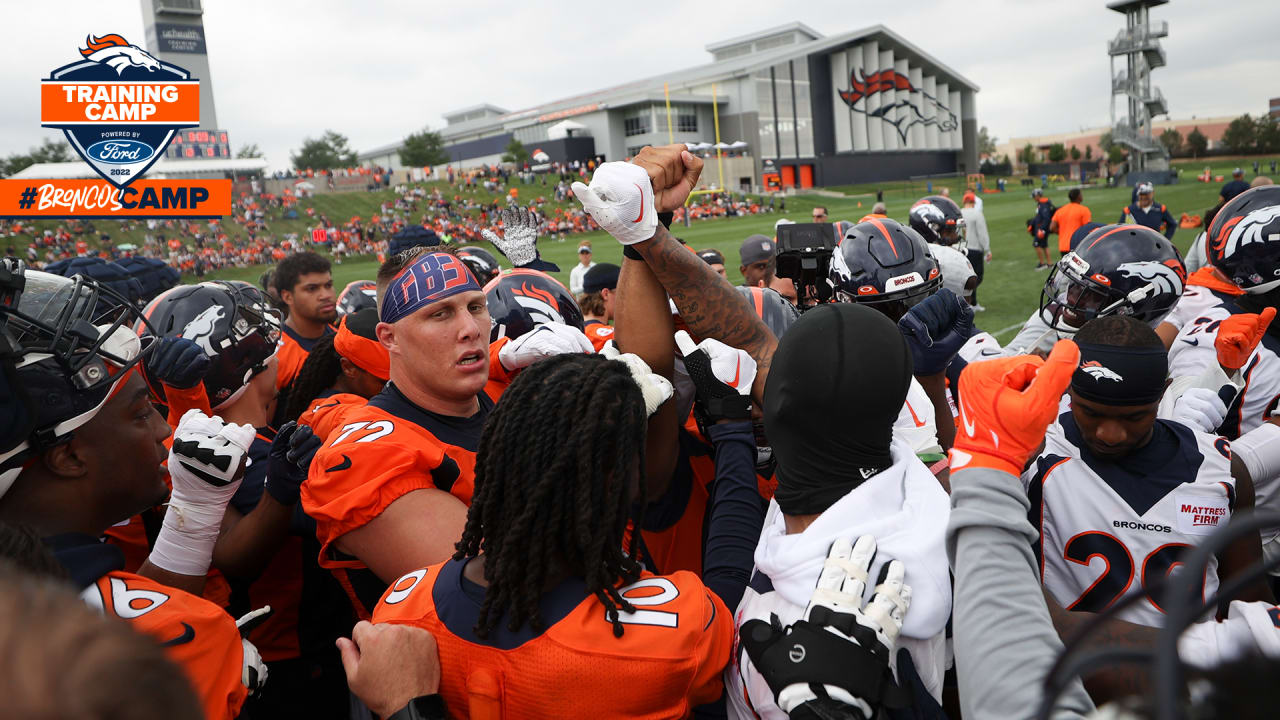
(804, 257)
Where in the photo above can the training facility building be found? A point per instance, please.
(793, 108)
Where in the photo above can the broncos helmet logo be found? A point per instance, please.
(1159, 277)
(929, 212)
(540, 304)
(115, 51)
(1098, 371)
(889, 81)
(200, 329)
(1258, 226)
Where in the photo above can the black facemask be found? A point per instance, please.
(837, 383)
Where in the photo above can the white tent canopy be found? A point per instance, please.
(565, 128)
(738, 145)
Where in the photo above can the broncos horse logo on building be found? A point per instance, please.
(891, 81)
(115, 51)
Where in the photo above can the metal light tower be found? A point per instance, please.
(1138, 49)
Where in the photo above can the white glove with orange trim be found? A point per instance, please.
(1006, 404)
(620, 200)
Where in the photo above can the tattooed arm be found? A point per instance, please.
(709, 305)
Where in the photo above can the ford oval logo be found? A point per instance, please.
(120, 152)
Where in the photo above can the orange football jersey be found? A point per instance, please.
(196, 634)
(598, 333)
(383, 450)
(668, 660)
(292, 352)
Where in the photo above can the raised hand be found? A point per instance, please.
(621, 201)
(1006, 404)
(1239, 335)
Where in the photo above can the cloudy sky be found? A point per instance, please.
(376, 70)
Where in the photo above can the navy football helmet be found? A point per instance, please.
(886, 265)
(67, 343)
(1116, 270)
(482, 263)
(937, 219)
(1242, 240)
(232, 322)
(356, 296)
(521, 299)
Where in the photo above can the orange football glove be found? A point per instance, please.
(1006, 404)
(1238, 335)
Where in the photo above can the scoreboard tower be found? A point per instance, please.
(175, 34)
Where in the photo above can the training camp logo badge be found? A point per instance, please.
(119, 106)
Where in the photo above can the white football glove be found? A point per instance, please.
(253, 671)
(731, 366)
(519, 236)
(795, 659)
(620, 200)
(655, 388)
(206, 465)
(1201, 408)
(543, 342)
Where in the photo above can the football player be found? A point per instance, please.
(264, 562)
(305, 285)
(1115, 270)
(889, 268)
(542, 599)
(91, 456)
(939, 221)
(1114, 483)
(405, 460)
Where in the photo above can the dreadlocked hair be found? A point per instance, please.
(318, 373)
(536, 500)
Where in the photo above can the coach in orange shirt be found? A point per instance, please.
(1068, 218)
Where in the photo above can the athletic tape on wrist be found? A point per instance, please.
(428, 279)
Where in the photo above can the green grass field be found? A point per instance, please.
(1010, 289)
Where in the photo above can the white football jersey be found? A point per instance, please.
(1036, 334)
(1109, 530)
(1193, 350)
(1195, 300)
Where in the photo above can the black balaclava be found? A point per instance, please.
(836, 386)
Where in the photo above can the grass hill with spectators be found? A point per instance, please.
(1010, 289)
